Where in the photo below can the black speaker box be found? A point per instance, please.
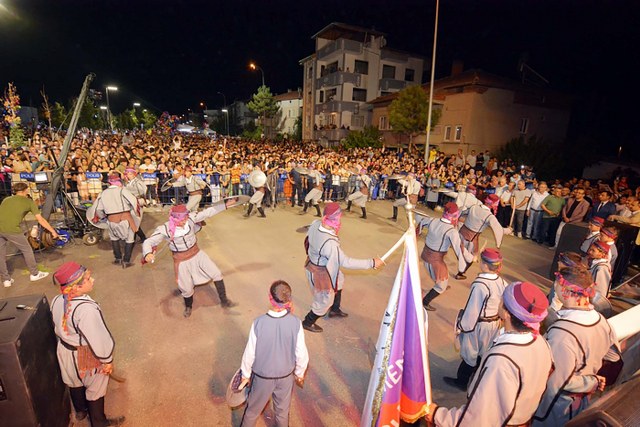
(617, 408)
(31, 389)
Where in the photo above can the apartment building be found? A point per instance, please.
(350, 67)
(290, 108)
(482, 111)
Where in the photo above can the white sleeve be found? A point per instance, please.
(302, 354)
(249, 354)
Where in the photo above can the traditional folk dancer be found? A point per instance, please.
(465, 199)
(324, 260)
(595, 225)
(122, 212)
(441, 236)
(85, 345)
(256, 200)
(565, 260)
(361, 196)
(194, 186)
(138, 188)
(600, 270)
(275, 357)
(410, 189)
(609, 235)
(580, 340)
(313, 197)
(478, 218)
(512, 375)
(192, 266)
(478, 323)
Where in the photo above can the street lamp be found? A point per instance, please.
(226, 119)
(225, 99)
(107, 89)
(105, 109)
(254, 67)
(136, 104)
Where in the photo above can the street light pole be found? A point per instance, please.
(226, 119)
(254, 67)
(433, 71)
(107, 89)
(223, 97)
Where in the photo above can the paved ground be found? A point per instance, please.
(177, 369)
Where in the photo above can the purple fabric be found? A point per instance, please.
(529, 319)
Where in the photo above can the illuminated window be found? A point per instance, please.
(458, 134)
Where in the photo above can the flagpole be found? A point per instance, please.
(433, 71)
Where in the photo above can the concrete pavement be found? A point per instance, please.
(177, 369)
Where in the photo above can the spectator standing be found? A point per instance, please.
(534, 211)
(573, 212)
(519, 200)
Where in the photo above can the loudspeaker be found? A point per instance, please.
(617, 408)
(31, 389)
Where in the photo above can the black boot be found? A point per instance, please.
(364, 213)
(318, 214)
(222, 294)
(430, 296)
(309, 322)
(462, 379)
(335, 311)
(141, 235)
(126, 261)
(79, 400)
(348, 206)
(246, 215)
(304, 210)
(395, 214)
(188, 306)
(98, 418)
(117, 252)
(262, 215)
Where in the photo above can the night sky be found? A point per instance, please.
(170, 55)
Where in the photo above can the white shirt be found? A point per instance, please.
(536, 200)
(302, 354)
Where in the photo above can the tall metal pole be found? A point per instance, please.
(106, 90)
(433, 72)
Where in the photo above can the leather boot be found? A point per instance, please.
(395, 214)
(262, 215)
(348, 206)
(222, 294)
(79, 400)
(462, 379)
(335, 310)
(318, 214)
(98, 418)
(364, 213)
(309, 322)
(117, 252)
(430, 296)
(246, 215)
(126, 261)
(304, 210)
(141, 235)
(188, 306)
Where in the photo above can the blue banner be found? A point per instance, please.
(149, 175)
(27, 176)
(93, 175)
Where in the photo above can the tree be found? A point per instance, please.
(127, 119)
(11, 104)
(148, 119)
(370, 136)
(264, 105)
(58, 115)
(545, 157)
(297, 129)
(408, 112)
(90, 116)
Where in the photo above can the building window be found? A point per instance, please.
(409, 75)
(383, 123)
(361, 67)
(388, 72)
(524, 126)
(332, 68)
(357, 121)
(321, 96)
(331, 94)
(310, 72)
(458, 134)
(447, 133)
(359, 95)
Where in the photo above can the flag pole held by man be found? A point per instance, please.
(400, 384)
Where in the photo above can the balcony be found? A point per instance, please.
(330, 134)
(339, 45)
(338, 78)
(336, 107)
(392, 55)
(392, 84)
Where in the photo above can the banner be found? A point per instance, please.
(400, 385)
